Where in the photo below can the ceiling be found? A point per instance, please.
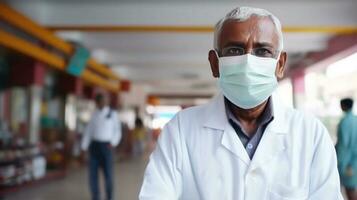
(176, 62)
(161, 1)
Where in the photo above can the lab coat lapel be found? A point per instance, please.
(273, 140)
(216, 118)
(231, 141)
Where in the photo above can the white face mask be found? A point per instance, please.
(247, 80)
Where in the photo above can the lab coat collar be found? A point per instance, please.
(216, 116)
(271, 143)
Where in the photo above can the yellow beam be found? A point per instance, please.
(321, 29)
(102, 69)
(198, 29)
(22, 22)
(29, 49)
(91, 77)
(24, 47)
(16, 19)
(103, 28)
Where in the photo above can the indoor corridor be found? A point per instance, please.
(244, 100)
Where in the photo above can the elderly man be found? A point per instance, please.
(244, 145)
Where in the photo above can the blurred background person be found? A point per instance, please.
(347, 149)
(139, 134)
(101, 135)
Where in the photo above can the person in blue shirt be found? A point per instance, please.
(347, 149)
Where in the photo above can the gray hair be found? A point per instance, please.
(244, 13)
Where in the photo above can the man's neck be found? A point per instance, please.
(248, 117)
(347, 112)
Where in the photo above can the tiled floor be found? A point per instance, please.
(128, 178)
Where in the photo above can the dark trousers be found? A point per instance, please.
(100, 156)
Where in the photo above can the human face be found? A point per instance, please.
(257, 36)
(101, 102)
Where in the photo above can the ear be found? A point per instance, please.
(213, 60)
(280, 68)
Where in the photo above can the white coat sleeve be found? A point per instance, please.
(117, 133)
(324, 181)
(162, 178)
(86, 139)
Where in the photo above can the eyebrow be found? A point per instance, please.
(264, 44)
(242, 44)
(234, 44)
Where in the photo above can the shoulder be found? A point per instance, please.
(310, 127)
(191, 115)
(304, 117)
(187, 119)
(349, 118)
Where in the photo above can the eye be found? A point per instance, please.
(263, 52)
(232, 51)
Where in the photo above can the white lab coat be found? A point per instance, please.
(200, 157)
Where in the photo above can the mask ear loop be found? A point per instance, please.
(215, 51)
(279, 55)
(277, 62)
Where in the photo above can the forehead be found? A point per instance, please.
(251, 31)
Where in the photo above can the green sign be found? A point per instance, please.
(78, 62)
